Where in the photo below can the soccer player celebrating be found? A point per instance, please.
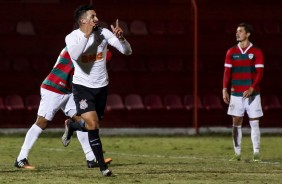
(87, 47)
(244, 65)
(56, 94)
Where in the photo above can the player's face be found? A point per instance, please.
(91, 18)
(241, 34)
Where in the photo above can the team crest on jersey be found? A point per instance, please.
(83, 104)
(251, 56)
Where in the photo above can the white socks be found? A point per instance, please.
(84, 141)
(30, 138)
(255, 135)
(237, 139)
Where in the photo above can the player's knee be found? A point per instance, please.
(237, 121)
(41, 122)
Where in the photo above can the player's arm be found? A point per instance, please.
(259, 74)
(259, 69)
(75, 46)
(117, 40)
(226, 78)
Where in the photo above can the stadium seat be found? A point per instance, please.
(153, 102)
(176, 28)
(2, 105)
(157, 28)
(32, 102)
(270, 102)
(133, 102)
(173, 102)
(114, 102)
(189, 102)
(25, 28)
(138, 27)
(14, 102)
(212, 102)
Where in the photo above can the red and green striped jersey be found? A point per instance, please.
(59, 79)
(246, 68)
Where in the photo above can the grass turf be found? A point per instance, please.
(146, 160)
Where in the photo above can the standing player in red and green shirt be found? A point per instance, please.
(56, 94)
(244, 65)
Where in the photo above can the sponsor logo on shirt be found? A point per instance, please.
(91, 58)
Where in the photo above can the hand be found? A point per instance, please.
(248, 92)
(226, 97)
(118, 32)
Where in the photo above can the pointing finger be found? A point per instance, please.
(113, 28)
(117, 23)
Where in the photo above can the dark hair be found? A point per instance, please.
(248, 27)
(81, 11)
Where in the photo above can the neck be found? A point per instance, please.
(244, 44)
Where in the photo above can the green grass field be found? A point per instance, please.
(146, 160)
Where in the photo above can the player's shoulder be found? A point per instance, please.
(232, 49)
(256, 47)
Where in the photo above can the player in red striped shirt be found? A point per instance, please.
(244, 65)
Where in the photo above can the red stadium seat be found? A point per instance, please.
(138, 27)
(133, 102)
(176, 28)
(14, 102)
(189, 102)
(157, 28)
(270, 102)
(2, 105)
(32, 102)
(212, 102)
(114, 102)
(153, 101)
(173, 102)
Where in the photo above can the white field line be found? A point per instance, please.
(162, 156)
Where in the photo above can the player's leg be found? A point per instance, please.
(237, 137)
(49, 105)
(85, 100)
(254, 111)
(236, 110)
(30, 138)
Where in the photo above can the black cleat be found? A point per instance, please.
(93, 163)
(23, 164)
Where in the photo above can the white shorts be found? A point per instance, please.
(252, 105)
(51, 102)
